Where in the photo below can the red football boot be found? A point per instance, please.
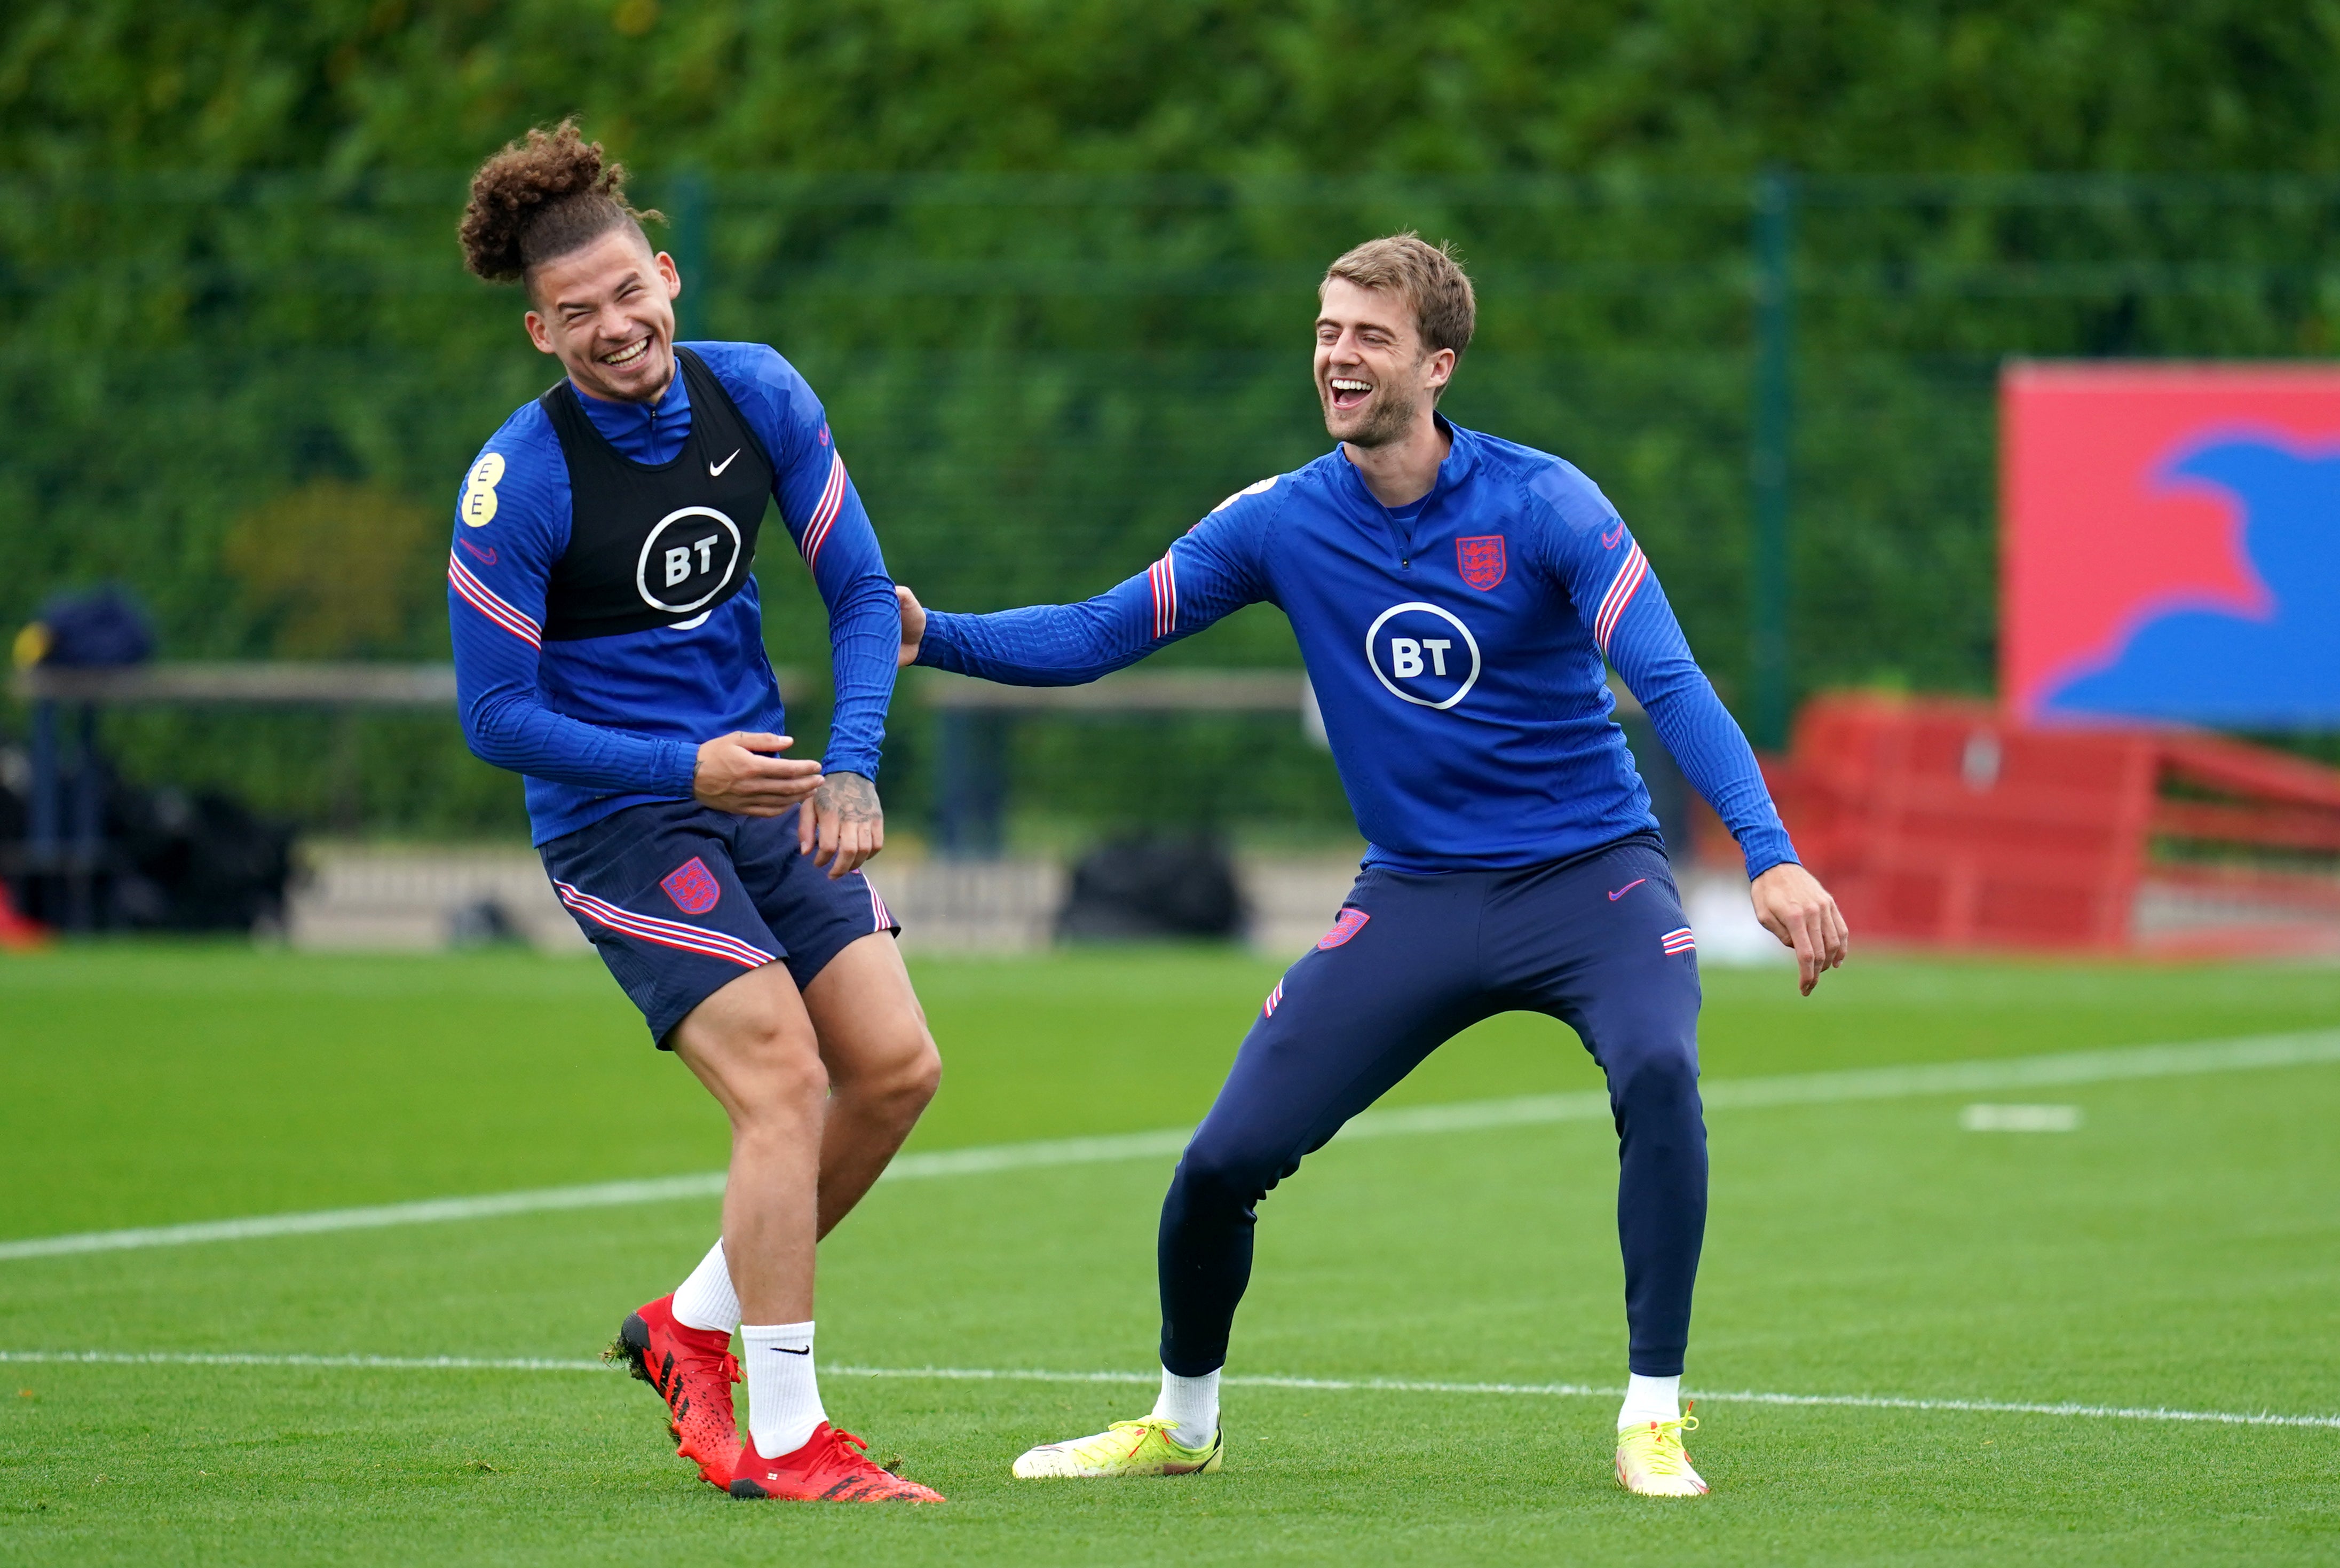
(831, 1467)
(693, 1369)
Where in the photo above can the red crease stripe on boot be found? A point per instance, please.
(831, 1467)
(693, 1370)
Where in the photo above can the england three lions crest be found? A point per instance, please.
(693, 886)
(1481, 559)
(1346, 925)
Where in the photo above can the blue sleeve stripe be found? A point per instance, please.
(824, 516)
(484, 600)
(1163, 576)
(1631, 574)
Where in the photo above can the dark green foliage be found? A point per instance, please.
(1051, 267)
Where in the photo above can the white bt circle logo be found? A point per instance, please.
(1422, 654)
(687, 560)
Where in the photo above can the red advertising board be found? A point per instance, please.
(2171, 543)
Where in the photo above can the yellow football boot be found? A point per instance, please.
(1650, 1460)
(1140, 1447)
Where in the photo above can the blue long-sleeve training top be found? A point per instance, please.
(598, 724)
(1455, 647)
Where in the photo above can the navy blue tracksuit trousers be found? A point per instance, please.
(1598, 941)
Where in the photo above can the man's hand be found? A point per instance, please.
(1794, 907)
(914, 627)
(845, 821)
(734, 774)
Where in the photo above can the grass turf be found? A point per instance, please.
(2178, 1250)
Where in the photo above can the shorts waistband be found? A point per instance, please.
(1640, 836)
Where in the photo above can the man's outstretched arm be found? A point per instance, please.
(1636, 632)
(1206, 575)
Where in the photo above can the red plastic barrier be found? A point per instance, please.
(1936, 821)
(15, 931)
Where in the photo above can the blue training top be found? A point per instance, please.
(600, 723)
(1456, 653)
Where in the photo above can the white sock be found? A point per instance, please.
(706, 1300)
(783, 1395)
(1193, 1404)
(1649, 1399)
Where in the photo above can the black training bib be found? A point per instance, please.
(655, 545)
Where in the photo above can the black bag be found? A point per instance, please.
(194, 862)
(1154, 887)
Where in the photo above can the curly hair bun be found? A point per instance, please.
(541, 198)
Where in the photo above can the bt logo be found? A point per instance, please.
(1422, 654)
(688, 559)
(678, 559)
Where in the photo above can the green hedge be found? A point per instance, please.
(242, 368)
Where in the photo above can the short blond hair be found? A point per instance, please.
(1445, 309)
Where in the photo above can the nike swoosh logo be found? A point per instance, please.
(783, 1349)
(487, 556)
(715, 470)
(1609, 540)
(1627, 888)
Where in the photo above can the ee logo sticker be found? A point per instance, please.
(1261, 488)
(478, 507)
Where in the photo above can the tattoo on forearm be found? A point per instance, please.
(853, 798)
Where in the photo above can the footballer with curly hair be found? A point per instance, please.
(609, 645)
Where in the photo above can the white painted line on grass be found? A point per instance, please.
(2020, 1119)
(2016, 1407)
(2117, 1065)
(430, 1211)
(1581, 1390)
(361, 1363)
(1149, 1380)
(1166, 1143)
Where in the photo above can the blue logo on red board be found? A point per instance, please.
(693, 886)
(1481, 559)
(2173, 543)
(1347, 924)
(2206, 663)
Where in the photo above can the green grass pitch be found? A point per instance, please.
(2181, 1249)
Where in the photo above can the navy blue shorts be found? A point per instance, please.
(680, 900)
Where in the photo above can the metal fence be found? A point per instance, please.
(249, 399)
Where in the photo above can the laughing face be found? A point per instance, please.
(1374, 375)
(606, 311)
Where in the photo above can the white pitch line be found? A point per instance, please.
(359, 1362)
(1147, 1380)
(2116, 1065)
(600, 1194)
(1579, 1390)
